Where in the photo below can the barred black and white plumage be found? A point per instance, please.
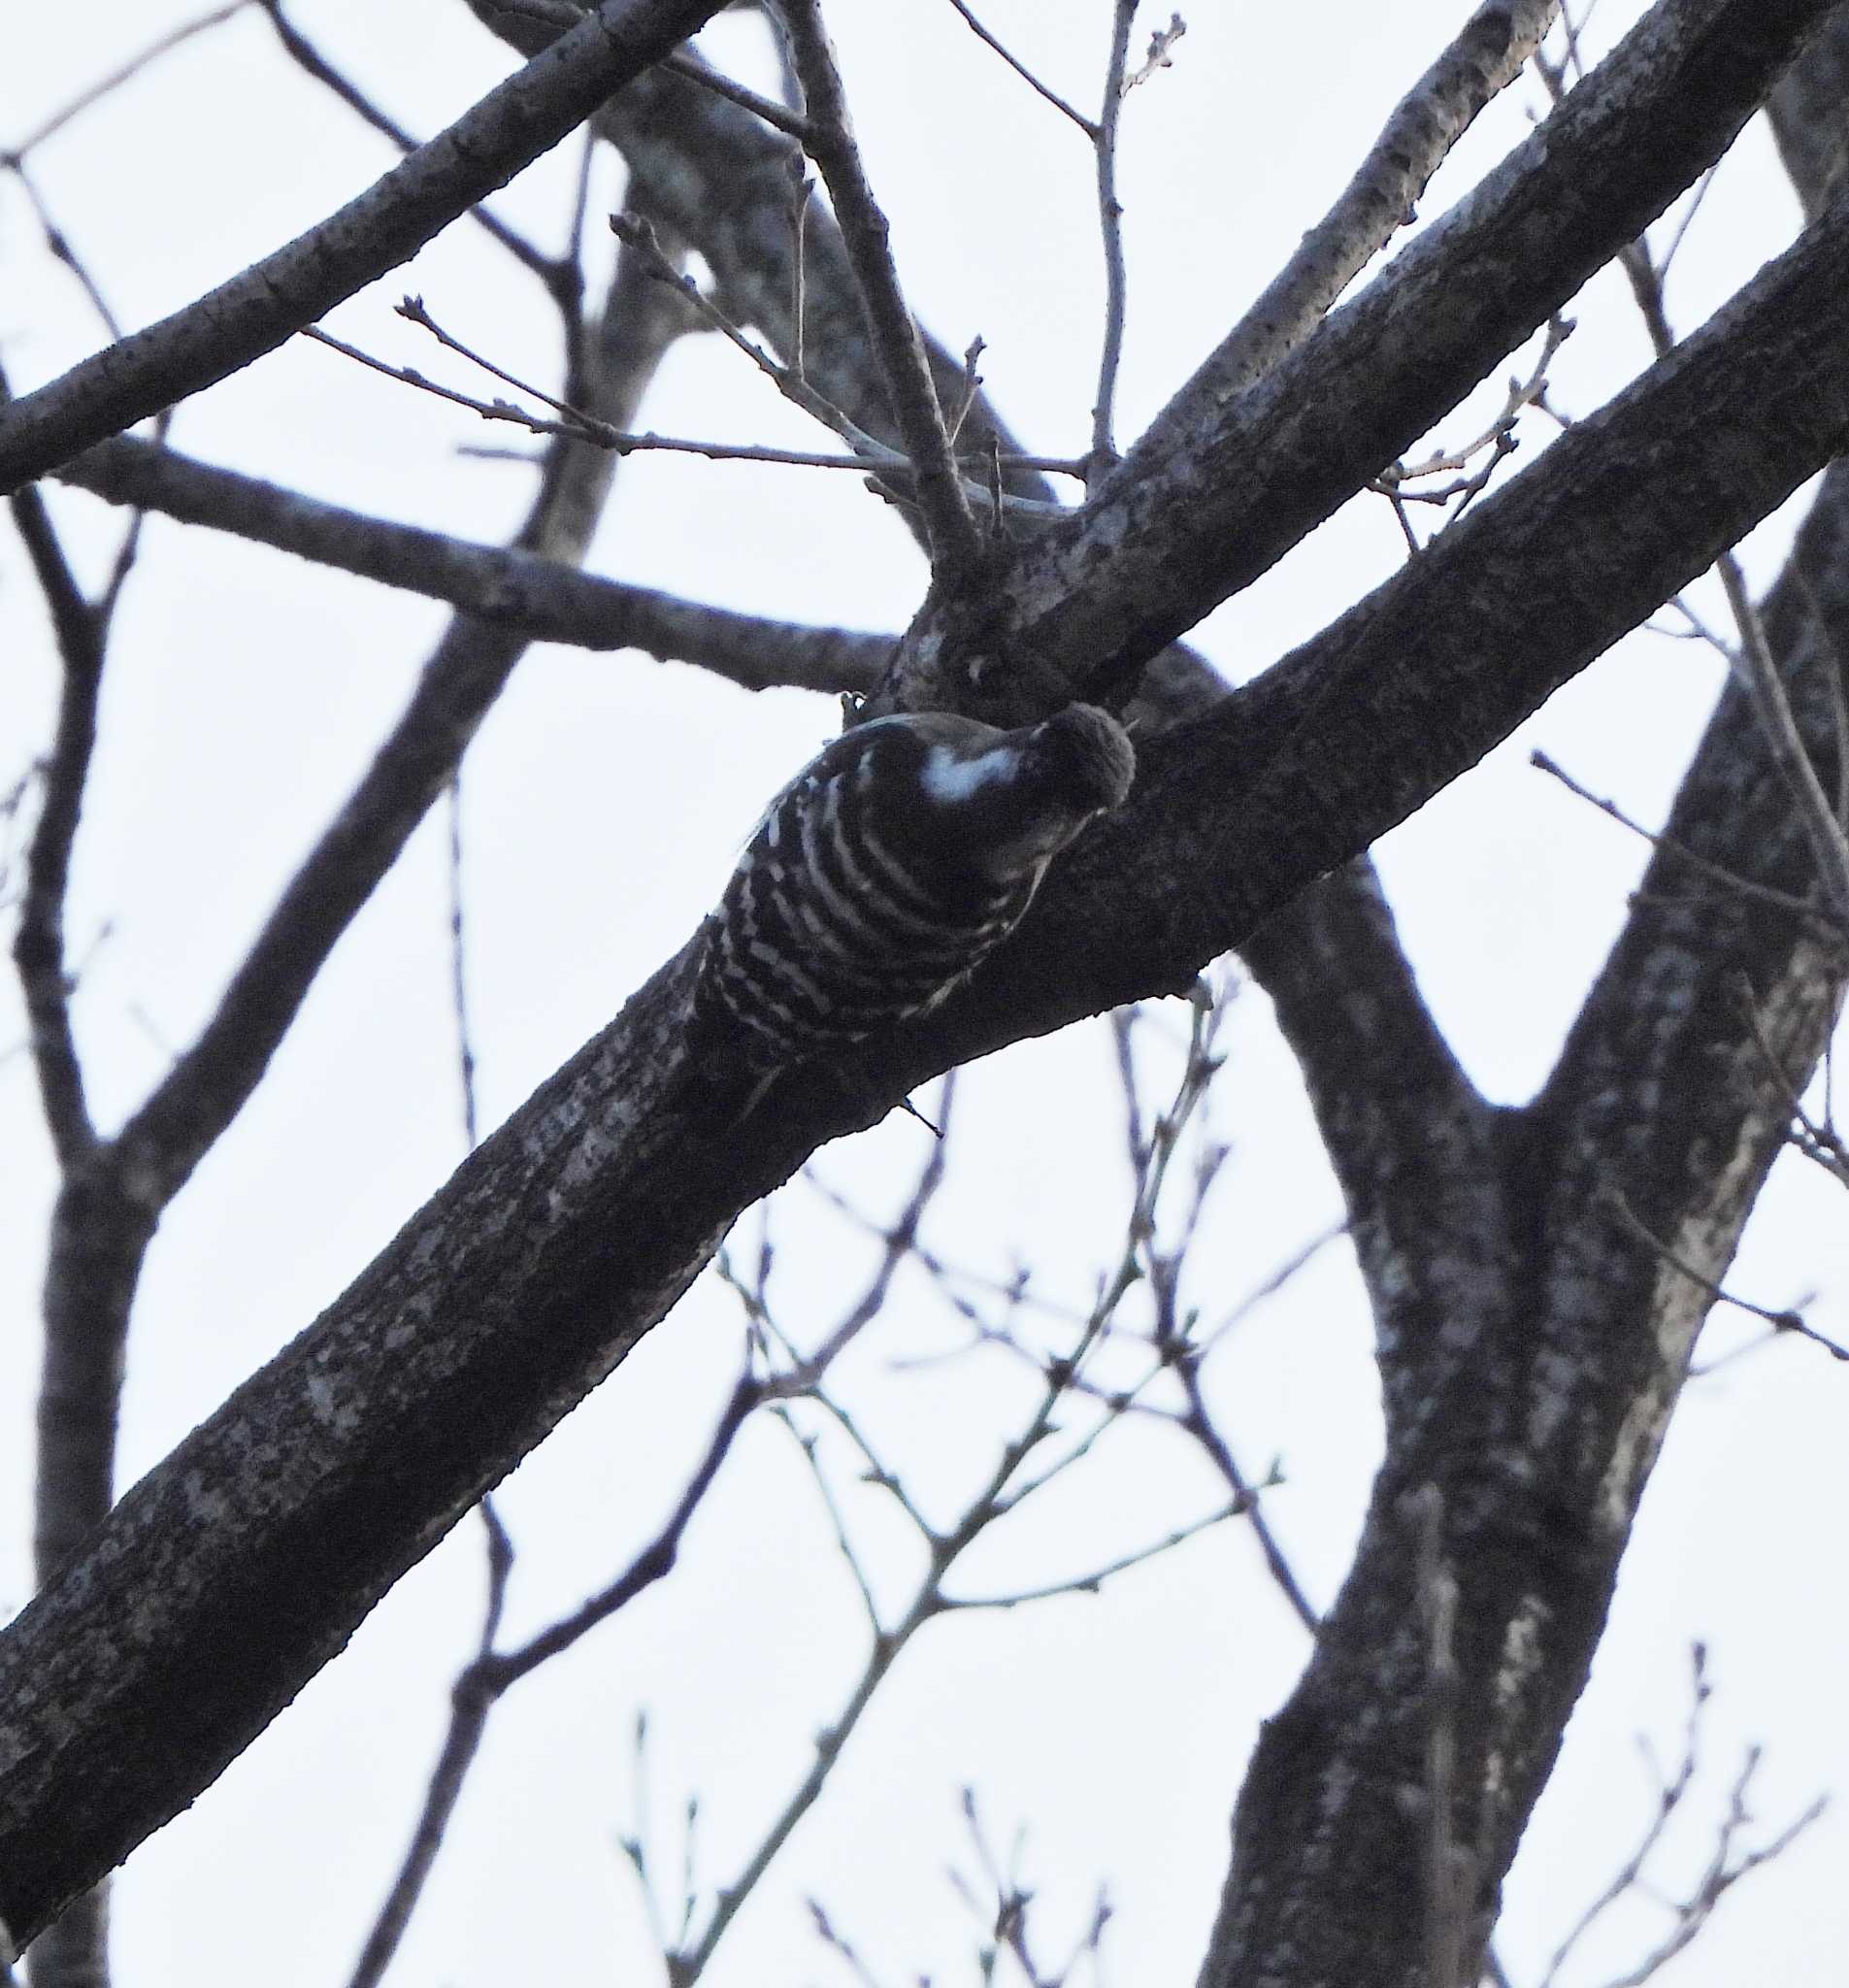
(886, 870)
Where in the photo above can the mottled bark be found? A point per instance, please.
(1532, 1340)
(113, 1191)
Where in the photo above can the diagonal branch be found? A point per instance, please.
(1412, 1140)
(38, 942)
(949, 528)
(560, 278)
(522, 592)
(253, 313)
(1482, 62)
(1221, 488)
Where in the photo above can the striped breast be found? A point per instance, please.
(854, 907)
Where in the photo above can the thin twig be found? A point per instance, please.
(1822, 822)
(38, 944)
(1026, 75)
(950, 528)
(467, 1720)
(825, 1931)
(1784, 1320)
(1110, 214)
(1723, 1869)
(1093, 1579)
(1744, 887)
(1816, 814)
(773, 113)
(1499, 439)
(636, 233)
(1159, 55)
(1000, 1492)
(58, 244)
(561, 276)
(1669, 1799)
(575, 426)
(114, 79)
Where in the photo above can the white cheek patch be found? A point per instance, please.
(949, 779)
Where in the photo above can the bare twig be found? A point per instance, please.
(560, 276)
(1005, 1913)
(574, 424)
(88, 98)
(1026, 75)
(1725, 1865)
(839, 1945)
(1159, 55)
(773, 113)
(1784, 1320)
(1002, 1491)
(1743, 887)
(38, 944)
(1110, 214)
(58, 244)
(1497, 439)
(482, 1684)
(1092, 1579)
(468, 1720)
(949, 526)
(1822, 825)
(1822, 821)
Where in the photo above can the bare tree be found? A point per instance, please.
(1537, 1276)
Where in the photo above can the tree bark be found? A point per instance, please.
(229, 1575)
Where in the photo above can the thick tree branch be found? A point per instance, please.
(1414, 1145)
(1221, 488)
(1482, 62)
(1539, 1404)
(1458, 646)
(253, 1551)
(1542, 1405)
(386, 225)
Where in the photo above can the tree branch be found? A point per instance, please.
(522, 593)
(949, 528)
(1485, 57)
(1220, 488)
(38, 942)
(255, 312)
(1413, 1143)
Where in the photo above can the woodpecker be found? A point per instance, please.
(884, 872)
